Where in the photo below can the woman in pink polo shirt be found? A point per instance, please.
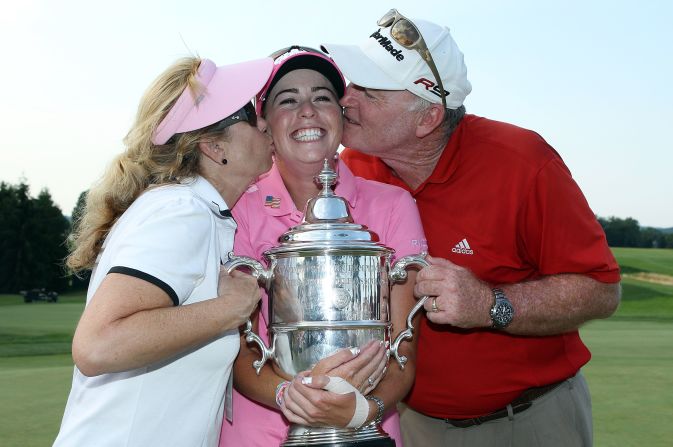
(300, 103)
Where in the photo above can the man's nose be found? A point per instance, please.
(348, 97)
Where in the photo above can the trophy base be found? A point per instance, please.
(387, 442)
(370, 435)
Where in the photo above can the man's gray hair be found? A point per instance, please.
(451, 118)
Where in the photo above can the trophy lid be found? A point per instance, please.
(327, 219)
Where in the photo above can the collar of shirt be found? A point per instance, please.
(203, 189)
(448, 161)
(271, 184)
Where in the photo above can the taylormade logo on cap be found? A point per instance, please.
(387, 45)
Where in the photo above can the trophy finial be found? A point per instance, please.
(327, 206)
(327, 177)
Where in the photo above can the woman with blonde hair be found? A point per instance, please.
(154, 348)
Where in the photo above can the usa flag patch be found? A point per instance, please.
(272, 202)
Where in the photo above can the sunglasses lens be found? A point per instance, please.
(388, 18)
(245, 113)
(405, 33)
(280, 52)
(249, 110)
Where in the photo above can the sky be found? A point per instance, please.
(594, 78)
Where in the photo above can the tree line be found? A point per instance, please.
(628, 233)
(34, 240)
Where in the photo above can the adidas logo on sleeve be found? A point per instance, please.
(463, 248)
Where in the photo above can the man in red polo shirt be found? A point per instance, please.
(518, 260)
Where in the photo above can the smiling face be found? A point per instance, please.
(304, 118)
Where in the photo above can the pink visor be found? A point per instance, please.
(225, 90)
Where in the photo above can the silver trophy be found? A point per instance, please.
(328, 284)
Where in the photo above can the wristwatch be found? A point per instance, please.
(502, 311)
(379, 408)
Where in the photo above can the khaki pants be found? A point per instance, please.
(561, 418)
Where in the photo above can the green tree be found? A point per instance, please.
(652, 238)
(14, 251)
(621, 232)
(32, 233)
(668, 240)
(78, 211)
(48, 232)
(81, 280)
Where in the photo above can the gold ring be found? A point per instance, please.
(434, 304)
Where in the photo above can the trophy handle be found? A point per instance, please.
(256, 268)
(263, 276)
(399, 273)
(267, 353)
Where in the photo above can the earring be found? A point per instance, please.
(224, 161)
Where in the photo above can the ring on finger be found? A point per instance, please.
(370, 381)
(434, 304)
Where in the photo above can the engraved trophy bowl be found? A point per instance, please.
(328, 283)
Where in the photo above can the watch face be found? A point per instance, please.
(502, 313)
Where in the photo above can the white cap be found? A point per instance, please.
(382, 63)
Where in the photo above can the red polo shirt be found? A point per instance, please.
(502, 203)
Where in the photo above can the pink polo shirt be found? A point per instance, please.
(265, 212)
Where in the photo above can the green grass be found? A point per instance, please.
(635, 260)
(13, 300)
(35, 367)
(38, 328)
(630, 375)
(631, 382)
(34, 391)
(645, 301)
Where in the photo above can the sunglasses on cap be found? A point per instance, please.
(283, 51)
(407, 34)
(245, 113)
(297, 57)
